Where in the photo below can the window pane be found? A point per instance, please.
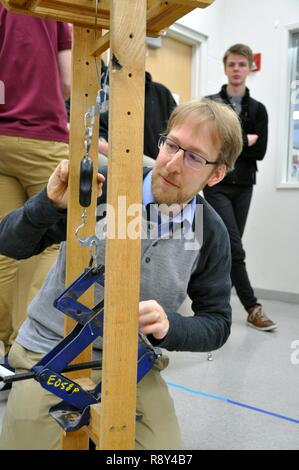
(293, 160)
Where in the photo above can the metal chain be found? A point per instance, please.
(89, 120)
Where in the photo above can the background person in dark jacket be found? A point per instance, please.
(158, 106)
(232, 196)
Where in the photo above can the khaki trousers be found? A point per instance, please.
(25, 167)
(28, 425)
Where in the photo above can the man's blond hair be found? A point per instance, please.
(225, 126)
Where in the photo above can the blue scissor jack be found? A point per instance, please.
(74, 412)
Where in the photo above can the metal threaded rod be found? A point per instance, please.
(31, 375)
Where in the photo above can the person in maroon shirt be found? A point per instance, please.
(35, 71)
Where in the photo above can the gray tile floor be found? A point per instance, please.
(253, 368)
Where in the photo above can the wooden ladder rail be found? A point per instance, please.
(116, 428)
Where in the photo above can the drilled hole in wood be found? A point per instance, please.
(131, 36)
(130, 75)
(127, 150)
(87, 30)
(87, 63)
(129, 113)
(86, 94)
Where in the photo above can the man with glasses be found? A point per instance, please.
(189, 253)
(232, 196)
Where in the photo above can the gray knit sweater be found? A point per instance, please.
(169, 271)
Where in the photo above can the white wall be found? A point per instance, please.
(271, 237)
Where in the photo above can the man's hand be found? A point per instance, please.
(152, 319)
(57, 187)
(103, 147)
(252, 138)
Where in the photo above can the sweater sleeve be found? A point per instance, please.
(64, 36)
(29, 230)
(260, 127)
(209, 289)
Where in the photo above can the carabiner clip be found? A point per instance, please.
(92, 243)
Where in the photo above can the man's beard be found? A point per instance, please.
(162, 196)
(175, 195)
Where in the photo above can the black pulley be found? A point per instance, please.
(86, 174)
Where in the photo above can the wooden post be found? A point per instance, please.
(126, 120)
(83, 95)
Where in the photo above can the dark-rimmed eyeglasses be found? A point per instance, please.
(197, 162)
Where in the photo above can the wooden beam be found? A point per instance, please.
(83, 94)
(9, 3)
(101, 45)
(74, 17)
(191, 3)
(93, 429)
(161, 14)
(32, 4)
(122, 284)
(77, 17)
(83, 7)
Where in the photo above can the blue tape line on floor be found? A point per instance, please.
(232, 402)
(195, 392)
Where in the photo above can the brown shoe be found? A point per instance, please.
(259, 320)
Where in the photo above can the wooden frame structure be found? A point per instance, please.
(127, 21)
